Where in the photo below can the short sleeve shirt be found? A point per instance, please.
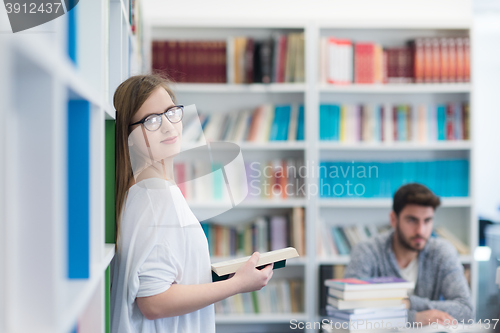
(160, 242)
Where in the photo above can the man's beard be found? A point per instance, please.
(402, 240)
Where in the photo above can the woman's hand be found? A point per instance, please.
(249, 278)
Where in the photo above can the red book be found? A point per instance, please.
(460, 59)
(282, 59)
(180, 177)
(385, 68)
(450, 117)
(284, 180)
(452, 60)
(466, 59)
(445, 60)
(436, 60)
(427, 60)
(364, 66)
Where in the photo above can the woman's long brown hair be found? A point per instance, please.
(128, 98)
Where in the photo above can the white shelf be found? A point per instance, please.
(239, 88)
(80, 291)
(257, 203)
(271, 145)
(396, 146)
(259, 318)
(344, 260)
(385, 203)
(409, 88)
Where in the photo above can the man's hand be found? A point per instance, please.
(432, 316)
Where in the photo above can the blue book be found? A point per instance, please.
(339, 241)
(72, 35)
(441, 122)
(285, 121)
(323, 120)
(300, 127)
(78, 189)
(401, 117)
(335, 122)
(274, 126)
(377, 114)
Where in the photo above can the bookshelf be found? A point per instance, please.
(58, 80)
(456, 213)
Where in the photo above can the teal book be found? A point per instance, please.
(285, 121)
(300, 127)
(323, 121)
(340, 241)
(335, 122)
(441, 122)
(273, 135)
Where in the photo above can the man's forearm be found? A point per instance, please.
(458, 308)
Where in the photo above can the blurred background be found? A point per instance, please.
(408, 88)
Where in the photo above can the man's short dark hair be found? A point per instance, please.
(416, 194)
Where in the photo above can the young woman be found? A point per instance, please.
(161, 272)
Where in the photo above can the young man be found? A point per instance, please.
(441, 290)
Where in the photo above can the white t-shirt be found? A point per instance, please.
(160, 242)
(410, 273)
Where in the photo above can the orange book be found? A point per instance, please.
(428, 68)
(418, 64)
(445, 60)
(460, 59)
(436, 57)
(466, 59)
(452, 63)
(283, 180)
(256, 123)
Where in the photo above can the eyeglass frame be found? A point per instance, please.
(142, 121)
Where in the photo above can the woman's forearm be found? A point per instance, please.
(181, 299)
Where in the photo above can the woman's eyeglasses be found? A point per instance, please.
(153, 121)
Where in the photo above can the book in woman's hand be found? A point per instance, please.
(222, 270)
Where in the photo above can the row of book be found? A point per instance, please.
(265, 233)
(422, 60)
(375, 303)
(263, 124)
(278, 296)
(277, 59)
(340, 179)
(340, 240)
(190, 61)
(267, 179)
(235, 60)
(388, 123)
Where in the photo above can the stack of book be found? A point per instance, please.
(375, 303)
(394, 123)
(422, 60)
